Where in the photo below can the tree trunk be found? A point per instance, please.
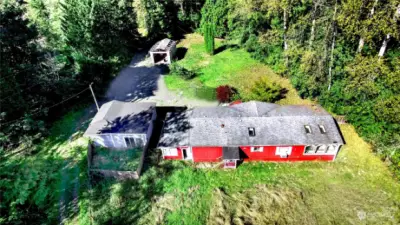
(182, 9)
(332, 48)
(312, 35)
(285, 44)
(384, 45)
(387, 38)
(371, 14)
(360, 45)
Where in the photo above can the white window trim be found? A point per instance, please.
(308, 129)
(260, 147)
(134, 142)
(321, 153)
(167, 151)
(322, 129)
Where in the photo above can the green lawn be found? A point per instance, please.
(232, 66)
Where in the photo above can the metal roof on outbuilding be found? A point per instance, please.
(122, 117)
(163, 46)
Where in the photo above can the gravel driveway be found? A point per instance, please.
(141, 81)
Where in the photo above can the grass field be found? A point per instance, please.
(231, 65)
(355, 189)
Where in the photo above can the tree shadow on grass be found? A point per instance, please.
(282, 93)
(225, 47)
(180, 53)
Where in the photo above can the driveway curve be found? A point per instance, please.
(141, 81)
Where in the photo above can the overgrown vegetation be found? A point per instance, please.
(343, 53)
(181, 71)
(111, 159)
(265, 91)
(35, 185)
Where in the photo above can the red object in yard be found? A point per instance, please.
(235, 102)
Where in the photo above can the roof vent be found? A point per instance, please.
(308, 129)
(252, 131)
(322, 129)
(222, 125)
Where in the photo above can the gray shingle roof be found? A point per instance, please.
(122, 117)
(274, 125)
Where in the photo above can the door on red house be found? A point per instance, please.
(187, 153)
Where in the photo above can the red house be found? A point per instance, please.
(251, 131)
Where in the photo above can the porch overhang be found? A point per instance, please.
(230, 153)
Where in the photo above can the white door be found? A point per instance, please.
(187, 153)
(284, 152)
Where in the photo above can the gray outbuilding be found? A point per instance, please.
(163, 51)
(122, 124)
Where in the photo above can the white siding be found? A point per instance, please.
(116, 140)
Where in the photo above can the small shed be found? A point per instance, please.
(163, 51)
(122, 124)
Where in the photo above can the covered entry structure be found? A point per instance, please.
(230, 155)
(163, 51)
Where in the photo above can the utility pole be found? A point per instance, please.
(94, 97)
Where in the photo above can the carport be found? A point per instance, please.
(163, 51)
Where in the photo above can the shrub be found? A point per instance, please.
(265, 91)
(209, 39)
(182, 71)
(225, 93)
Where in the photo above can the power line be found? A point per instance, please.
(49, 107)
(28, 88)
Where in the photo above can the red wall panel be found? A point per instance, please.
(269, 154)
(214, 154)
(179, 156)
(207, 154)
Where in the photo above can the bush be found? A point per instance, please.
(265, 91)
(182, 71)
(209, 39)
(225, 93)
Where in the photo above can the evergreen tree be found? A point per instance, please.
(209, 39)
(215, 12)
(160, 18)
